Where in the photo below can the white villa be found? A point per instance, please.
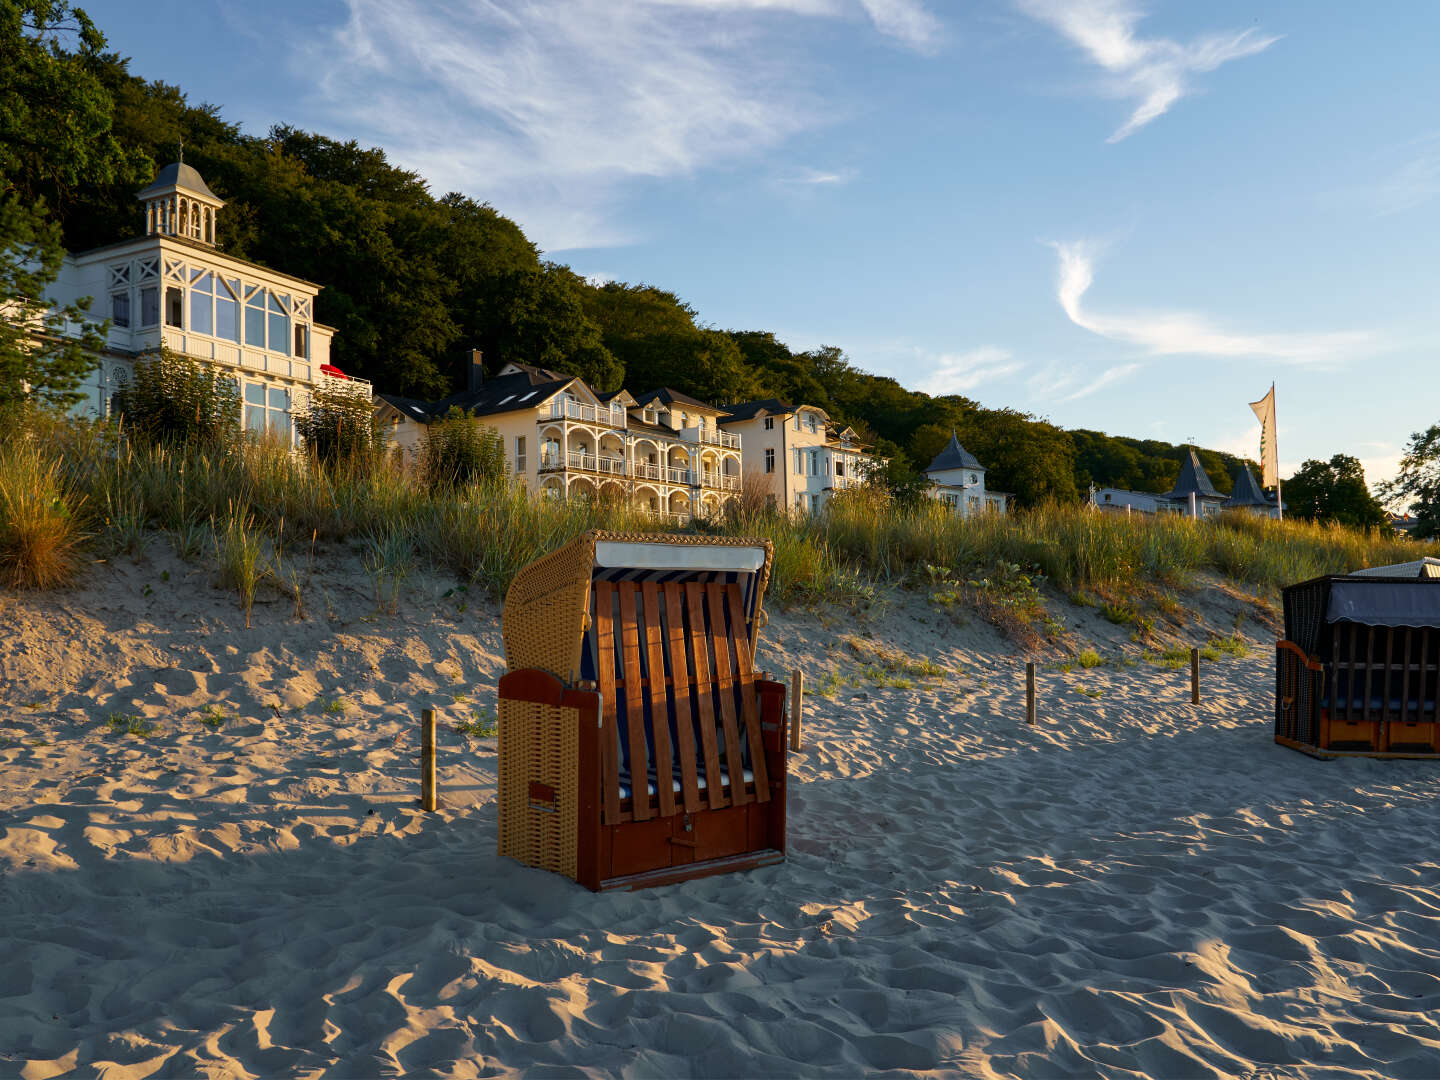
(173, 286)
(957, 479)
(662, 452)
(799, 454)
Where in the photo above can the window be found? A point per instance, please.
(279, 323)
(267, 410)
(227, 309)
(120, 308)
(202, 304)
(769, 423)
(174, 306)
(839, 466)
(302, 341)
(797, 423)
(810, 422)
(149, 306)
(814, 463)
(255, 318)
(519, 453)
(799, 461)
(770, 460)
(827, 466)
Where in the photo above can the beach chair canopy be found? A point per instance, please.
(1417, 568)
(1385, 602)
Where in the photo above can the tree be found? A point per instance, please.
(1334, 490)
(1418, 482)
(538, 317)
(55, 118)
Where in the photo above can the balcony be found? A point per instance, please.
(586, 414)
(720, 480)
(579, 461)
(712, 437)
(669, 518)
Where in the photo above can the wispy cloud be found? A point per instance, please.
(962, 373)
(1187, 334)
(1416, 181)
(1155, 72)
(550, 108)
(820, 177)
(1059, 384)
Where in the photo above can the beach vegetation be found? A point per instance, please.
(1089, 658)
(482, 723)
(336, 706)
(213, 716)
(41, 528)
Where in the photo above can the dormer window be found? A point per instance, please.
(769, 423)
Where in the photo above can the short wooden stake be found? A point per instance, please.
(1195, 676)
(427, 760)
(1030, 692)
(797, 706)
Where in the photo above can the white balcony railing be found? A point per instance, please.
(720, 480)
(713, 437)
(682, 518)
(588, 414)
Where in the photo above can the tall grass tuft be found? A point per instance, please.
(40, 534)
(238, 551)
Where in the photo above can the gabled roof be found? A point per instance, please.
(954, 456)
(1246, 491)
(1194, 478)
(748, 410)
(527, 388)
(513, 368)
(673, 397)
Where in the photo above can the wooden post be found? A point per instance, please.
(797, 707)
(427, 760)
(1194, 676)
(1030, 692)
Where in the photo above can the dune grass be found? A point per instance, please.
(70, 489)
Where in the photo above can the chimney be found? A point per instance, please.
(475, 377)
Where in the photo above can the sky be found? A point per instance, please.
(1119, 216)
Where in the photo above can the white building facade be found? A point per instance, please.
(796, 455)
(172, 286)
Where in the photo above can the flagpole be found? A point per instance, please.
(1279, 500)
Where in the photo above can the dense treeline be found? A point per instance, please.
(412, 281)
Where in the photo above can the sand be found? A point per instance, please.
(1136, 885)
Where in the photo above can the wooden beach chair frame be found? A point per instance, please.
(625, 650)
(1348, 688)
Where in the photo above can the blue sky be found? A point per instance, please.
(1119, 216)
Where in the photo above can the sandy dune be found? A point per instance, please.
(1135, 886)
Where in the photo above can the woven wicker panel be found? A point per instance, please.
(545, 609)
(539, 744)
(1305, 613)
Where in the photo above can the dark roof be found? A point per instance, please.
(177, 174)
(1193, 478)
(521, 390)
(1246, 491)
(415, 410)
(541, 372)
(671, 397)
(747, 410)
(954, 456)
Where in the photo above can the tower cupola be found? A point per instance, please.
(178, 202)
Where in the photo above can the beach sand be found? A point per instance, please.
(1136, 885)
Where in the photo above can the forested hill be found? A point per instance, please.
(412, 281)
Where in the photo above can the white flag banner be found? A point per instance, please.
(1264, 410)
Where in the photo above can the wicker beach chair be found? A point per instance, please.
(1358, 671)
(638, 746)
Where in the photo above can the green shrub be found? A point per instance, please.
(338, 424)
(460, 452)
(175, 400)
